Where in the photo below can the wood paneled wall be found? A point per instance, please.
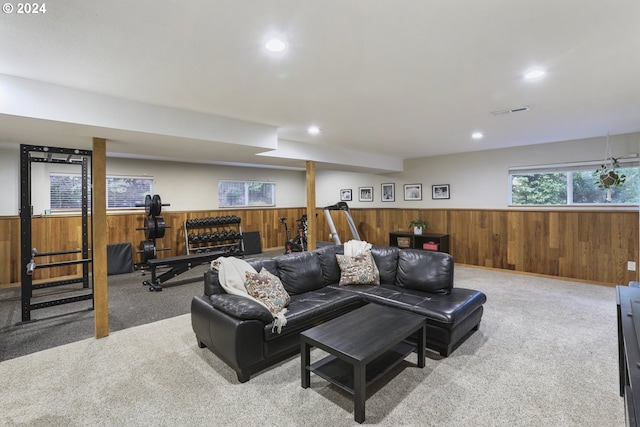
(592, 246)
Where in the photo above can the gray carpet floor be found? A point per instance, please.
(130, 304)
(545, 355)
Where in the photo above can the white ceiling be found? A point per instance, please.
(401, 79)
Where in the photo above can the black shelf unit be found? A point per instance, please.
(222, 233)
(429, 242)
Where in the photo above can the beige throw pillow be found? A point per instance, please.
(358, 270)
(267, 288)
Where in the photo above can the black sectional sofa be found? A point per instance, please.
(239, 330)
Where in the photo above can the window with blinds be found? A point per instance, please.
(122, 191)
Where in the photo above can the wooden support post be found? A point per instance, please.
(311, 205)
(99, 228)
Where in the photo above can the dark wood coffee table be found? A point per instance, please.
(363, 345)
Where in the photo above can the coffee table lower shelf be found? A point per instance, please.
(341, 373)
(362, 346)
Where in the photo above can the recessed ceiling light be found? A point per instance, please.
(275, 45)
(477, 135)
(534, 74)
(313, 130)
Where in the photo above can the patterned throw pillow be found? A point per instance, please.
(358, 270)
(267, 288)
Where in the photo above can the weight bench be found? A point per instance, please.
(178, 264)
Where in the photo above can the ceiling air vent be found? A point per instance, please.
(513, 110)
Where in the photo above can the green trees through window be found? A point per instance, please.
(571, 187)
(246, 193)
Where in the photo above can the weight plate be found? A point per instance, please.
(160, 227)
(148, 250)
(150, 228)
(147, 204)
(156, 205)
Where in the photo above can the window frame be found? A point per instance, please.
(247, 202)
(89, 195)
(568, 168)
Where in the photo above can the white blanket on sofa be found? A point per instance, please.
(356, 247)
(232, 273)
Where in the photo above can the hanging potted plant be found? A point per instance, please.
(418, 225)
(607, 175)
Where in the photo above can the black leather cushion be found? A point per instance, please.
(449, 310)
(386, 259)
(299, 272)
(445, 311)
(211, 282)
(241, 307)
(329, 264)
(312, 308)
(268, 263)
(427, 271)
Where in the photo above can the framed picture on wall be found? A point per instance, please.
(345, 195)
(413, 191)
(388, 192)
(365, 194)
(440, 191)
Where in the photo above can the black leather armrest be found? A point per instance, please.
(241, 307)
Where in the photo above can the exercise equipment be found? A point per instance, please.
(154, 228)
(119, 258)
(340, 206)
(220, 236)
(30, 154)
(178, 265)
(222, 233)
(299, 242)
(152, 205)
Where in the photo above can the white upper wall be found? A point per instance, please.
(186, 186)
(10, 179)
(477, 180)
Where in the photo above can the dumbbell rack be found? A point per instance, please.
(222, 233)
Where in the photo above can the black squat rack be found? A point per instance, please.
(28, 254)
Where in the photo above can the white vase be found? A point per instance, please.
(417, 230)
